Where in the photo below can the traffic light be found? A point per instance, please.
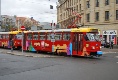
(51, 6)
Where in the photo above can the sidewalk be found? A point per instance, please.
(30, 54)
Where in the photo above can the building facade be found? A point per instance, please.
(8, 22)
(101, 14)
(27, 22)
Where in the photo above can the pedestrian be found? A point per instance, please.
(111, 44)
(12, 45)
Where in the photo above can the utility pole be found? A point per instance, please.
(18, 25)
(52, 25)
(0, 9)
(52, 36)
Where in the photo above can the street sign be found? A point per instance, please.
(22, 28)
(52, 40)
(52, 36)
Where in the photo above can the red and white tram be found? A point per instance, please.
(76, 41)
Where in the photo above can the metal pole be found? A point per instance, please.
(12, 45)
(52, 26)
(0, 15)
(10, 25)
(53, 36)
(22, 42)
(18, 25)
(0, 10)
(53, 33)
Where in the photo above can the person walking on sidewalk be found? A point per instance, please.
(111, 44)
(12, 44)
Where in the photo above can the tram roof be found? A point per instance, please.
(4, 32)
(67, 30)
(58, 30)
(14, 32)
(84, 30)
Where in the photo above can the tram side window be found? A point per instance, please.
(4, 36)
(66, 36)
(7, 36)
(58, 36)
(29, 36)
(42, 36)
(48, 36)
(35, 36)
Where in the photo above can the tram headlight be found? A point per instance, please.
(93, 47)
(100, 47)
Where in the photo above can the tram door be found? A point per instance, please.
(77, 42)
(11, 36)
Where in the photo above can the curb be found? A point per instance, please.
(109, 52)
(18, 54)
(45, 56)
(26, 55)
(9, 52)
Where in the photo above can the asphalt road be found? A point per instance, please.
(59, 68)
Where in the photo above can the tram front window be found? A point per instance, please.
(92, 37)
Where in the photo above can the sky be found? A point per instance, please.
(38, 9)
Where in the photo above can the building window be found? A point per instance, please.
(116, 1)
(88, 17)
(97, 3)
(80, 7)
(106, 2)
(88, 4)
(116, 14)
(97, 16)
(106, 15)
